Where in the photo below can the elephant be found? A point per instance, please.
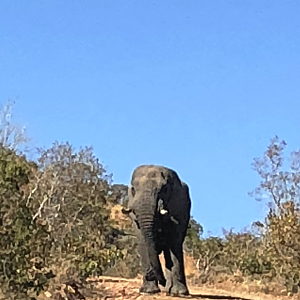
(159, 207)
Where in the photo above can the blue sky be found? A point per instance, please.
(199, 86)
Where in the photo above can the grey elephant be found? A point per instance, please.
(159, 206)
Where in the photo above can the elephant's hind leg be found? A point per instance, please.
(178, 277)
(168, 270)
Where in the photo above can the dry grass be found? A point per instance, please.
(236, 285)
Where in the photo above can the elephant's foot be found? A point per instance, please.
(150, 287)
(179, 289)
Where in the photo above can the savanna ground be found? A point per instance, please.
(120, 288)
(109, 287)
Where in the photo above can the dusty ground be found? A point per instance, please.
(119, 288)
(108, 288)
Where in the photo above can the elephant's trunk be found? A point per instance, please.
(146, 216)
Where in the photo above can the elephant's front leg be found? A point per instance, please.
(150, 283)
(178, 276)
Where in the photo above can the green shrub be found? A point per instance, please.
(281, 232)
(22, 240)
(55, 220)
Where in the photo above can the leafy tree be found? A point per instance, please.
(54, 220)
(279, 185)
(22, 241)
(71, 192)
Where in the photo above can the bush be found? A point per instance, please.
(281, 234)
(234, 253)
(23, 271)
(55, 220)
(129, 266)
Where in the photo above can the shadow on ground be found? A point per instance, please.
(209, 296)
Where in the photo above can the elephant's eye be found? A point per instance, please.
(132, 191)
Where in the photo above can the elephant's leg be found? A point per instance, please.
(168, 270)
(178, 276)
(150, 284)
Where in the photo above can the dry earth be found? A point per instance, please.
(109, 288)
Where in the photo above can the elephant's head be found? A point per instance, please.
(149, 195)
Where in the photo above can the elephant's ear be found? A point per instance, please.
(185, 187)
(182, 199)
(185, 190)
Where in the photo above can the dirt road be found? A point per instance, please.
(109, 288)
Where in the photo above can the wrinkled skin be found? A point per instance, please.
(159, 207)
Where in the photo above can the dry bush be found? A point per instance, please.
(281, 232)
(73, 194)
(12, 135)
(55, 220)
(129, 266)
(268, 259)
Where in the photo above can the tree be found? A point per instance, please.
(192, 239)
(12, 135)
(22, 242)
(279, 185)
(55, 220)
(72, 195)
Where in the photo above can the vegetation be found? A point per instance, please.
(54, 216)
(55, 222)
(270, 252)
(61, 222)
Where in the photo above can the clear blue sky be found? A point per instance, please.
(199, 86)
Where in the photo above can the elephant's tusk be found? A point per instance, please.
(163, 211)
